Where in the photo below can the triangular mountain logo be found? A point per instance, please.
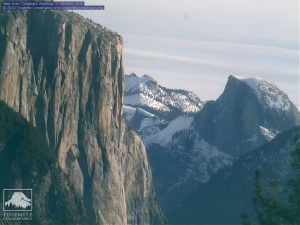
(17, 200)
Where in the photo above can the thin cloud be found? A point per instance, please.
(268, 60)
(162, 56)
(201, 42)
(197, 72)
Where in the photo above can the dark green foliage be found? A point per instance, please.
(267, 205)
(24, 153)
(63, 206)
(270, 210)
(294, 185)
(229, 193)
(245, 220)
(27, 161)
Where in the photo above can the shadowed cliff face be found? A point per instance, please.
(64, 74)
(233, 122)
(26, 161)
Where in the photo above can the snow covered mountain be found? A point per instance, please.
(150, 108)
(188, 147)
(267, 93)
(144, 122)
(249, 113)
(146, 92)
(164, 137)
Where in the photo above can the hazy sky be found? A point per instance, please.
(196, 44)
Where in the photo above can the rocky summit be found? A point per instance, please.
(188, 147)
(65, 75)
(250, 112)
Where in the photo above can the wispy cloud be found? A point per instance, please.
(201, 64)
(176, 58)
(196, 44)
(230, 57)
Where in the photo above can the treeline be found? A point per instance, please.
(269, 207)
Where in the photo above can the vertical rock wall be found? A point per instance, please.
(64, 74)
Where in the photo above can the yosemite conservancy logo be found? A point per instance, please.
(17, 204)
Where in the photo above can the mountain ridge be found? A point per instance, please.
(199, 144)
(216, 201)
(145, 91)
(218, 116)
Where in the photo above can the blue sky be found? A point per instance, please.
(196, 44)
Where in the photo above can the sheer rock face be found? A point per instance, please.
(64, 74)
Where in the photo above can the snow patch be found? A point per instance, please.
(129, 112)
(133, 80)
(142, 100)
(273, 97)
(144, 91)
(267, 133)
(206, 160)
(164, 137)
(150, 126)
(144, 113)
(209, 151)
(267, 93)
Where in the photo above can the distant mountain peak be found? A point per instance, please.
(257, 79)
(145, 91)
(252, 82)
(186, 148)
(146, 78)
(132, 75)
(266, 92)
(249, 112)
(136, 82)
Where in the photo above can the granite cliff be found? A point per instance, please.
(64, 74)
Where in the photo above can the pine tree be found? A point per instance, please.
(245, 220)
(294, 186)
(269, 209)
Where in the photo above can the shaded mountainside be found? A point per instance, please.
(189, 148)
(181, 166)
(157, 113)
(249, 113)
(65, 75)
(26, 161)
(230, 192)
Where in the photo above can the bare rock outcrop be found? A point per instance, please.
(65, 75)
